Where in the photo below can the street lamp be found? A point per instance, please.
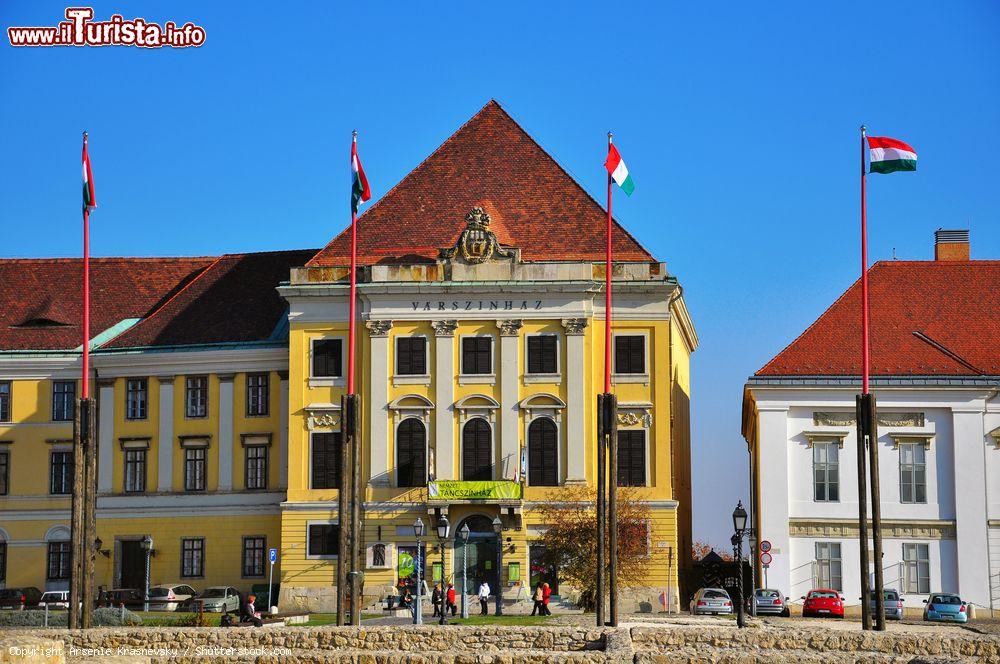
(418, 533)
(443, 527)
(498, 529)
(147, 546)
(464, 534)
(740, 526)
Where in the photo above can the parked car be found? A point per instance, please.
(217, 599)
(823, 602)
(945, 607)
(893, 604)
(169, 597)
(130, 597)
(711, 600)
(19, 599)
(770, 602)
(54, 599)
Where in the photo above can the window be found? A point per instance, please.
(411, 356)
(61, 472)
(916, 569)
(3, 561)
(192, 557)
(256, 466)
(327, 359)
(477, 451)
(543, 354)
(326, 460)
(5, 401)
(196, 396)
(826, 471)
(543, 452)
(254, 548)
(135, 471)
(912, 473)
(136, 393)
(632, 457)
(63, 400)
(322, 540)
(828, 565)
(477, 355)
(4, 473)
(411, 465)
(258, 392)
(195, 470)
(630, 354)
(58, 561)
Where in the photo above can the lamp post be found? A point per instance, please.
(740, 528)
(418, 533)
(498, 529)
(147, 546)
(443, 527)
(464, 534)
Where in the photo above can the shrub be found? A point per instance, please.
(110, 617)
(36, 618)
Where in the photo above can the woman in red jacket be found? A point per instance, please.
(546, 593)
(450, 597)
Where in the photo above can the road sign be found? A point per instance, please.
(765, 546)
(272, 555)
(765, 558)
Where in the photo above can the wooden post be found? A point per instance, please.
(611, 408)
(866, 615)
(871, 421)
(76, 527)
(88, 541)
(601, 516)
(357, 551)
(343, 548)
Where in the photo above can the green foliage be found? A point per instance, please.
(36, 618)
(196, 620)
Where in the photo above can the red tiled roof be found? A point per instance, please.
(927, 318)
(492, 162)
(233, 300)
(41, 303)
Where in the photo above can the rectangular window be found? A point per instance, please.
(3, 562)
(326, 460)
(327, 359)
(4, 473)
(58, 561)
(4, 401)
(256, 467)
(630, 354)
(543, 354)
(477, 355)
(632, 457)
(411, 356)
(61, 472)
(196, 396)
(912, 473)
(135, 471)
(826, 472)
(254, 549)
(136, 395)
(63, 400)
(192, 557)
(258, 394)
(195, 470)
(916, 569)
(323, 539)
(829, 573)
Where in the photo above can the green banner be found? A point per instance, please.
(456, 490)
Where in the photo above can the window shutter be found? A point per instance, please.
(477, 462)
(418, 355)
(411, 469)
(468, 356)
(543, 459)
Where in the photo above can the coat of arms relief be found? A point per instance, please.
(477, 243)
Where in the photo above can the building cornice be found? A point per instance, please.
(209, 360)
(882, 382)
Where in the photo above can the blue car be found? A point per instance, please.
(945, 607)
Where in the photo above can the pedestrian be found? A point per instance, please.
(248, 612)
(537, 598)
(436, 599)
(406, 599)
(546, 594)
(484, 597)
(451, 599)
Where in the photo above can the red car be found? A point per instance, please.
(823, 602)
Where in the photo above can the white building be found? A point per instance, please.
(936, 376)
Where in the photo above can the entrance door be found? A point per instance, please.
(540, 571)
(479, 555)
(133, 565)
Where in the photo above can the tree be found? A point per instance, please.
(700, 549)
(571, 540)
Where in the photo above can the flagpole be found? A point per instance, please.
(354, 282)
(85, 378)
(865, 367)
(607, 291)
(862, 409)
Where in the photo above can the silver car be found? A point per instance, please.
(711, 600)
(893, 604)
(168, 597)
(770, 602)
(217, 598)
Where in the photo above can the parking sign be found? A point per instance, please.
(272, 555)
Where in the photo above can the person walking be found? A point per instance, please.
(484, 597)
(451, 599)
(436, 600)
(537, 597)
(546, 594)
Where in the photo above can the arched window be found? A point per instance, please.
(543, 453)
(411, 460)
(477, 451)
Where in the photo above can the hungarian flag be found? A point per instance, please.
(618, 171)
(89, 202)
(360, 191)
(887, 155)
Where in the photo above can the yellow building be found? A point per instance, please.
(479, 358)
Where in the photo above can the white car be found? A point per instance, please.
(170, 596)
(54, 599)
(711, 600)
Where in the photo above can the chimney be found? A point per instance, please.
(951, 245)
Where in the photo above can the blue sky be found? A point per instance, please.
(738, 121)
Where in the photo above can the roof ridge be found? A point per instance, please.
(244, 254)
(107, 259)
